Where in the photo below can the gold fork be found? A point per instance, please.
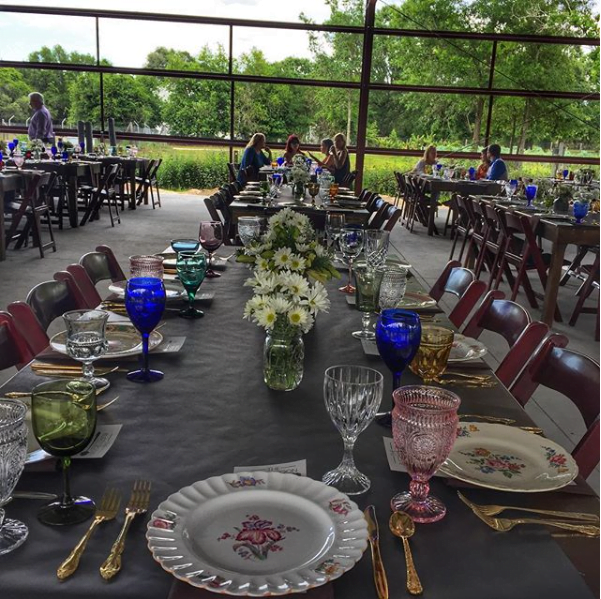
(493, 510)
(506, 524)
(109, 506)
(138, 504)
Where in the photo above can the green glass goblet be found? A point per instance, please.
(191, 269)
(63, 416)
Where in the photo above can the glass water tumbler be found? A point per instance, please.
(13, 452)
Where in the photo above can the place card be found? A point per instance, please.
(104, 437)
(170, 345)
(351, 300)
(369, 347)
(299, 467)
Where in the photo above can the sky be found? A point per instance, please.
(127, 43)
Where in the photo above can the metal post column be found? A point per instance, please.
(368, 42)
(491, 76)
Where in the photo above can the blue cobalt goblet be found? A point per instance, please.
(398, 334)
(145, 302)
(531, 193)
(580, 211)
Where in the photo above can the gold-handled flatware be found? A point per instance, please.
(493, 419)
(403, 527)
(65, 371)
(373, 532)
(470, 383)
(506, 524)
(109, 506)
(138, 504)
(494, 510)
(481, 377)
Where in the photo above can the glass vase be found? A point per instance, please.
(298, 191)
(283, 358)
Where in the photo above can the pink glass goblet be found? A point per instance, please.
(146, 266)
(210, 236)
(424, 428)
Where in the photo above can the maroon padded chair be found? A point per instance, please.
(513, 323)
(576, 377)
(86, 286)
(14, 349)
(29, 326)
(117, 273)
(460, 282)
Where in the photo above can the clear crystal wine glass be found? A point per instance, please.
(352, 395)
(376, 247)
(424, 428)
(86, 341)
(334, 225)
(13, 452)
(351, 244)
(249, 229)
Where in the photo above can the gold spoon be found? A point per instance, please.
(402, 526)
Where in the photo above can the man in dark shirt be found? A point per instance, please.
(40, 125)
(498, 169)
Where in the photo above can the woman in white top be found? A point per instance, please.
(429, 159)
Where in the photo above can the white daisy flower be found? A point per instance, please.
(262, 264)
(298, 316)
(309, 324)
(266, 317)
(317, 299)
(282, 258)
(296, 284)
(297, 263)
(280, 304)
(302, 247)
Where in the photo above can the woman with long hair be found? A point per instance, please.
(428, 159)
(328, 162)
(484, 165)
(292, 148)
(340, 158)
(256, 155)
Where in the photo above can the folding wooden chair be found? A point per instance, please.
(104, 193)
(14, 349)
(576, 377)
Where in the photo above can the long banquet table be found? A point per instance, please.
(213, 412)
(560, 233)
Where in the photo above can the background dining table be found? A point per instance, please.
(355, 215)
(213, 412)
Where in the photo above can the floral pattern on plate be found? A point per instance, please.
(246, 481)
(489, 462)
(258, 537)
(506, 458)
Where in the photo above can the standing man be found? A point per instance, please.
(498, 169)
(40, 125)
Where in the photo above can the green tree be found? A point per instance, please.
(54, 84)
(13, 96)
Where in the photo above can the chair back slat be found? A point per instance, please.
(29, 326)
(85, 284)
(14, 350)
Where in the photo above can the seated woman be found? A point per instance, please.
(340, 158)
(254, 158)
(328, 163)
(484, 165)
(428, 159)
(292, 149)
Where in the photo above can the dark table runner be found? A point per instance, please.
(212, 412)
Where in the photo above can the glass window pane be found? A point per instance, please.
(414, 120)
(161, 45)
(429, 61)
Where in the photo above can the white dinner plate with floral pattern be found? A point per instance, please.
(507, 458)
(256, 534)
(465, 348)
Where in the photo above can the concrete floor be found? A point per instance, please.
(148, 231)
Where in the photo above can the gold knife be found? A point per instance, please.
(376, 558)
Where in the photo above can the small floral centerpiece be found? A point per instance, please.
(299, 174)
(37, 147)
(290, 267)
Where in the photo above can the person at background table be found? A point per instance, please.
(256, 155)
(428, 159)
(340, 158)
(328, 163)
(498, 169)
(40, 125)
(292, 148)
(482, 170)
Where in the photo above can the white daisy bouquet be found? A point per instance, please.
(299, 172)
(290, 267)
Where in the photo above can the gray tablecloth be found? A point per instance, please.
(212, 412)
